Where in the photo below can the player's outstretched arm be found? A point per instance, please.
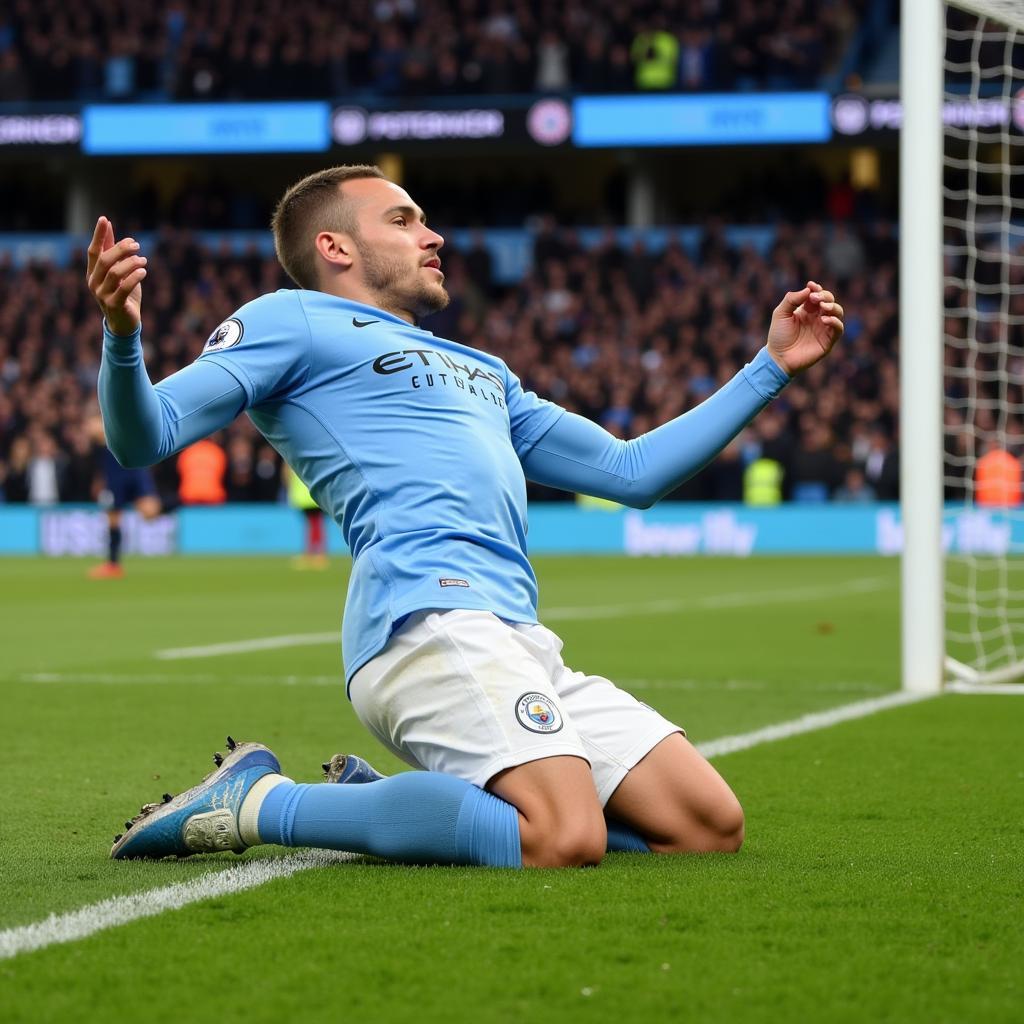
(578, 455)
(143, 423)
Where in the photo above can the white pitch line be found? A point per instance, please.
(78, 924)
(739, 599)
(262, 643)
(718, 685)
(809, 723)
(162, 678)
(158, 679)
(118, 910)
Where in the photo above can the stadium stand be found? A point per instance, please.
(187, 49)
(625, 336)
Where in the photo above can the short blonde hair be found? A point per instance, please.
(312, 205)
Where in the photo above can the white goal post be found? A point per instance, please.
(986, 613)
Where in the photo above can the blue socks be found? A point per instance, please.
(413, 817)
(622, 839)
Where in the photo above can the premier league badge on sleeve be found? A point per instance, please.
(229, 333)
(538, 713)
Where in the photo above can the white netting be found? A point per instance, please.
(984, 340)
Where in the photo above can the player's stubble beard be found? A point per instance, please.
(396, 289)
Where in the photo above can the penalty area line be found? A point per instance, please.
(118, 910)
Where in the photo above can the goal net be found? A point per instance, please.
(983, 285)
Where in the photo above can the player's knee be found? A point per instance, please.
(715, 828)
(569, 845)
(580, 846)
(725, 825)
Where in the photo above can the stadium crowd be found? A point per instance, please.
(191, 49)
(623, 335)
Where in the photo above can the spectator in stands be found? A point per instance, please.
(44, 470)
(725, 475)
(696, 59)
(881, 468)
(844, 253)
(762, 483)
(655, 53)
(81, 470)
(201, 469)
(855, 490)
(266, 486)
(816, 471)
(15, 473)
(240, 477)
(997, 478)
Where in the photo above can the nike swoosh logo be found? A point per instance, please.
(363, 323)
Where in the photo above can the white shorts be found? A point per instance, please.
(468, 694)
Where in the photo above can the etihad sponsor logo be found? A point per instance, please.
(407, 359)
(444, 372)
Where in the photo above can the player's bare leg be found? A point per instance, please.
(678, 803)
(560, 819)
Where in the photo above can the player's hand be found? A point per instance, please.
(114, 274)
(805, 326)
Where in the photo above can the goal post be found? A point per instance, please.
(922, 43)
(961, 339)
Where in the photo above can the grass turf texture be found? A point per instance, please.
(881, 878)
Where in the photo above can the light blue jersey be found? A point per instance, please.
(411, 443)
(417, 446)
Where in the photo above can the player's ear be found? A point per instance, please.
(335, 247)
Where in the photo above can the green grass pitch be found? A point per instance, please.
(882, 878)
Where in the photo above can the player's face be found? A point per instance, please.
(397, 254)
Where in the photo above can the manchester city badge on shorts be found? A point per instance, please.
(538, 713)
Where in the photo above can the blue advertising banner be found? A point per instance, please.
(705, 120)
(667, 530)
(206, 128)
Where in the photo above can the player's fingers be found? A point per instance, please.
(122, 267)
(822, 296)
(126, 287)
(109, 256)
(792, 301)
(95, 245)
(832, 308)
(107, 259)
(117, 273)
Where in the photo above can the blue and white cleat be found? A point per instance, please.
(205, 818)
(347, 768)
